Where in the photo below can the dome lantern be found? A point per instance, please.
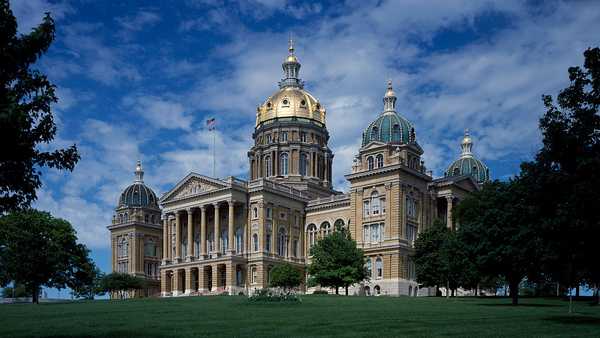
(389, 99)
(139, 172)
(466, 145)
(291, 69)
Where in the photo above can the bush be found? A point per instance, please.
(268, 296)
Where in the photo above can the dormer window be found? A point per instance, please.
(374, 134)
(269, 104)
(303, 103)
(285, 102)
(371, 162)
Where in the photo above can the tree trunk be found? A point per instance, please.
(596, 295)
(514, 290)
(577, 292)
(346, 290)
(35, 295)
(447, 289)
(337, 291)
(437, 291)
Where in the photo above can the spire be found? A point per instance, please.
(291, 68)
(466, 145)
(139, 172)
(389, 99)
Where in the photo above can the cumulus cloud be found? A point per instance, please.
(160, 112)
(30, 13)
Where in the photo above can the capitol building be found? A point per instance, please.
(209, 236)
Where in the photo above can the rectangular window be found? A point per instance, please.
(382, 204)
(283, 136)
(268, 138)
(366, 209)
(269, 213)
(303, 136)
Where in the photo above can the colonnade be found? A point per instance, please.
(188, 214)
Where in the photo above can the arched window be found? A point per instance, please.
(120, 218)
(312, 234)
(283, 164)
(374, 134)
(281, 243)
(255, 212)
(268, 242)
(253, 275)
(303, 164)
(379, 160)
(375, 203)
(369, 267)
(396, 133)
(367, 291)
(339, 224)
(239, 240)
(379, 267)
(325, 229)
(371, 162)
(456, 172)
(295, 248)
(377, 290)
(255, 242)
(268, 166)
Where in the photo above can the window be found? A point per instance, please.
(239, 240)
(295, 248)
(197, 244)
(411, 207)
(411, 232)
(253, 274)
(255, 212)
(268, 166)
(377, 290)
(281, 243)
(325, 229)
(146, 218)
(150, 248)
(366, 208)
(339, 224)
(379, 161)
(396, 133)
(239, 277)
(152, 219)
(379, 267)
(255, 242)
(374, 134)
(303, 164)
(268, 243)
(411, 271)
(382, 205)
(370, 162)
(283, 136)
(375, 203)
(283, 164)
(303, 136)
(224, 241)
(269, 213)
(312, 234)
(268, 138)
(374, 233)
(366, 234)
(369, 267)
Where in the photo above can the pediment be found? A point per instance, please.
(193, 184)
(372, 145)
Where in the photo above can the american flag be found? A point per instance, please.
(211, 123)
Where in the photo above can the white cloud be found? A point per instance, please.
(160, 112)
(29, 13)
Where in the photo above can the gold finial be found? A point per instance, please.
(389, 83)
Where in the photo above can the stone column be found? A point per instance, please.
(165, 246)
(203, 230)
(131, 253)
(175, 283)
(230, 277)
(190, 235)
(202, 287)
(230, 226)
(177, 236)
(215, 277)
(217, 236)
(449, 212)
(188, 281)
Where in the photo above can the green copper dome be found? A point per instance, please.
(467, 164)
(138, 194)
(389, 127)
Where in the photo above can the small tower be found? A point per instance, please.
(136, 234)
(467, 163)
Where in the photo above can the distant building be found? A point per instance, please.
(225, 235)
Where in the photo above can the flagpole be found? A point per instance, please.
(214, 160)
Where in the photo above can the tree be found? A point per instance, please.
(566, 173)
(121, 283)
(498, 231)
(15, 291)
(26, 120)
(88, 282)
(38, 250)
(440, 259)
(336, 261)
(286, 276)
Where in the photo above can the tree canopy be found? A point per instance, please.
(286, 276)
(38, 250)
(26, 121)
(336, 261)
(120, 283)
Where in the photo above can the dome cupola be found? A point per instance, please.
(138, 194)
(389, 127)
(467, 164)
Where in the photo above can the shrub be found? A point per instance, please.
(268, 296)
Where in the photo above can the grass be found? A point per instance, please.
(222, 316)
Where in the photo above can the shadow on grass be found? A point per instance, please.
(574, 319)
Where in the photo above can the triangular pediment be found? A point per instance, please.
(192, 184)
(372, 145)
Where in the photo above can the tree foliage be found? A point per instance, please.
(336, 261)
(286, 276)
(26, 121)
(120, 283)
(498, 229)
(566, 176)
(38, 250)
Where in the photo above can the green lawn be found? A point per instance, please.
(316, 316)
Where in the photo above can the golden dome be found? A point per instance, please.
(291, 102)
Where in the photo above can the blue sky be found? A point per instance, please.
(137, 80)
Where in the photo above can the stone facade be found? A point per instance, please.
(225, 235)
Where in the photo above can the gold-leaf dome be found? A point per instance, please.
(291, 100)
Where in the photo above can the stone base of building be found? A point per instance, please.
(382, 287)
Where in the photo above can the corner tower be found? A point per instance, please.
(290, 136)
